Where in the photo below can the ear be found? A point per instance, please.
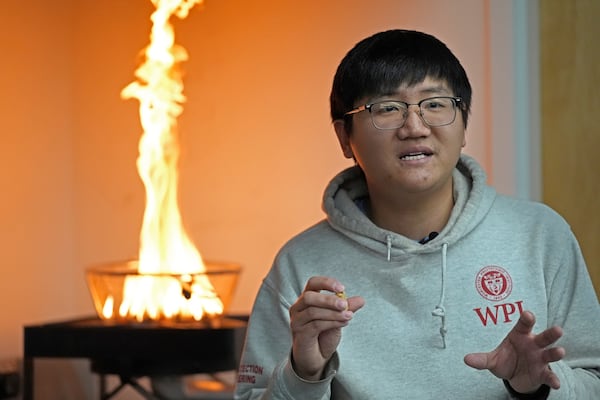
(343, 138)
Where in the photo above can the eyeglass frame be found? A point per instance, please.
(456, 102)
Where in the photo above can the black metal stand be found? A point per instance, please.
(125, 381)
(131, 351)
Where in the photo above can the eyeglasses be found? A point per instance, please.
(392, 114)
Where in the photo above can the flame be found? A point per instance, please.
(168, 260)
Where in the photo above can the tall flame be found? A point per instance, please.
(165, 248)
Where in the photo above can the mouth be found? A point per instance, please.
(416, 155)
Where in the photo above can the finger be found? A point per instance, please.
(525, 323)
(548, 337)
(551, 379)
(328, 301)
(315, 320)
(553, 354)
(317, 305)
(331, 307)
(355, 303)
(317, 300)
(318, 283)
(478, 360)
(341, 310)
(319, 319)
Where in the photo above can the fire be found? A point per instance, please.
(170, 284)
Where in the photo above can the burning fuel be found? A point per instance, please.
(165, 247)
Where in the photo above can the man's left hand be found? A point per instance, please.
(523, 357)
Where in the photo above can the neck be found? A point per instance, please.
(414, 216)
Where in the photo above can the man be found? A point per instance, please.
(446, 278)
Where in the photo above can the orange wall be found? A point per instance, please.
(36, 164)
(258, 144)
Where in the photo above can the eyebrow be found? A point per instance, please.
(436, 90)
(429, 90)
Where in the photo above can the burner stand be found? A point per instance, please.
(132, 351)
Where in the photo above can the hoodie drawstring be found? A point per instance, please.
(439, 310)
(388, 240)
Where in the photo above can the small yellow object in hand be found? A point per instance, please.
(342, 295)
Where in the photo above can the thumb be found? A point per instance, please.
(477, 360)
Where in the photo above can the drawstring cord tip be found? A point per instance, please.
(441, 313)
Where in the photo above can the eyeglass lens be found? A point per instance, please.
(436, 111)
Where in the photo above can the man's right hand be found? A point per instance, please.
(316, 321)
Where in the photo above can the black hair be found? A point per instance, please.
(381, 63)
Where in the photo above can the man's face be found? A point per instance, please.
(412, 159)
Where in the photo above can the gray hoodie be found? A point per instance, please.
(427, 305)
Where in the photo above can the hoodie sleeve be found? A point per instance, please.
(573, 305)
(265, 370)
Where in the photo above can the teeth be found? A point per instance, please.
(410, 157)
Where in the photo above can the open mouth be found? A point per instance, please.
(415, 156)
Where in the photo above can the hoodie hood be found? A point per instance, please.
(472, 200)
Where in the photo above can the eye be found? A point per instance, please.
(387, 108)
(437, 104)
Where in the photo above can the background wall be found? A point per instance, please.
(570, 70)
(36, 155)
(258, 146)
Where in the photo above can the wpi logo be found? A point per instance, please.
(493, 283)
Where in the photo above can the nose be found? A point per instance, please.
(414, 126)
